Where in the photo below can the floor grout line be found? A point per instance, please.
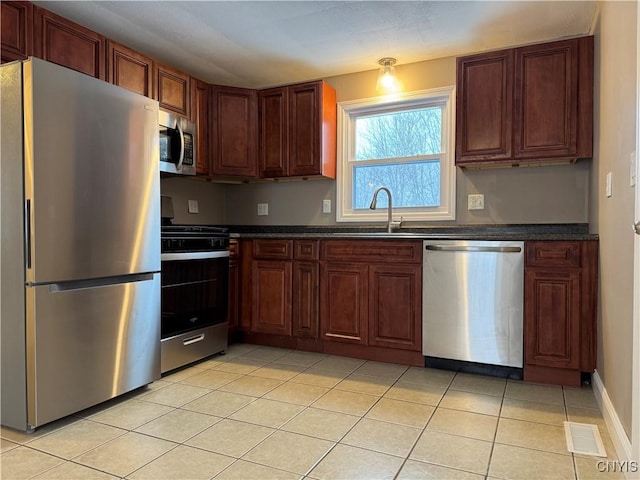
(260, 356)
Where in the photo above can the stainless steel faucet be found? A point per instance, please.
(390, 223)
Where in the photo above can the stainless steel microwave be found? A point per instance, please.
(177, 144)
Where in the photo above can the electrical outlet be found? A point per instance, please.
(475, 201)
(607, 186)
(193, 206)
(263, 209)
(326, 206)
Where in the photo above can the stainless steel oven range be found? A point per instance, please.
(194, 293)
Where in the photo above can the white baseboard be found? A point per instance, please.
(619, 437)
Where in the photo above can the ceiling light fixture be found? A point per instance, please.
(387, 81)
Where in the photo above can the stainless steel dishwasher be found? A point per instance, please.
(473, 301)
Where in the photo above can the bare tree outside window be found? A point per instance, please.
(400, 150)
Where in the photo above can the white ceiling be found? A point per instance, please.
(263, 43)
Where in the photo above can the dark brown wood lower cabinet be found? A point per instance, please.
(302, 294)
(560, 291)
(271, 297)
(234, 288)
(305, 299)
(553, 318)
(344, 302)
(395, 304)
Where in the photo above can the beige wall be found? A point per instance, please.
(615, 126)
(210, 197)
(558, 194)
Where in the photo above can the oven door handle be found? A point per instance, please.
(191, 340)
(193, 255)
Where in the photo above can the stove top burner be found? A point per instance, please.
(193, 238)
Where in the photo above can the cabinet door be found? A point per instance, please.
(234, 286)
(305, 299)
(233, 135)
(172, 90)
(129, 69)
(395, 306)
(484, 107)
(200, 115)
(344, 302)
(61, 41)
(271, 297)
(16, 33)
(552, 318)
(312, 129)
(546, 100)
(272, 128)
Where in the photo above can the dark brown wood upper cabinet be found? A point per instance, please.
(172, 89)
(129, 69)
(312, 129)
(66, 43)
(233, 131)
(297, 130)
(273, 113)
(527, 104)
(16, 35)
(546, 116)
(484, 107)
(200, 116)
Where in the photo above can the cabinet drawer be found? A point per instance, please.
(273, 249)
(234, 248)
(553, 254)
(372, 251)
(306, 249)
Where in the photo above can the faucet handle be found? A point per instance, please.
(396, 224)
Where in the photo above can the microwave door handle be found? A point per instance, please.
(181, 159)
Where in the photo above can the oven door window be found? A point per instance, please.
(170, 145)
(194, 294)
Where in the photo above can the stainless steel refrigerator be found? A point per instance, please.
(80, 242)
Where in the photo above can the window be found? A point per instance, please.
(405, 144)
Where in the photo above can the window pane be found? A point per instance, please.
(399, 134)
(412, 184)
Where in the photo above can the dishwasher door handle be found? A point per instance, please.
(462, 248)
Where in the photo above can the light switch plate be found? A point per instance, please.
(263, 209)
(326, 206)
(607, 185)
(193, 206)
(475, 201)
(632, 168)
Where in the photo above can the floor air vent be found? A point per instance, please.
(584, 438)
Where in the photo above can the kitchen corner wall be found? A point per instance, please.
(611, 217)
(557, 194)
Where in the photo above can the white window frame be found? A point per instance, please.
(349, 110)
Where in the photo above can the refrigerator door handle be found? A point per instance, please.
(27, 231)
(181, 159)
(99, 282)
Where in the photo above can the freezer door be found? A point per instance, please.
(87, 345)
(92, 180)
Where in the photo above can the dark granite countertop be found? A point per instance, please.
(564, 231)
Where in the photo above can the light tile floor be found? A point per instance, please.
(262, 413)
